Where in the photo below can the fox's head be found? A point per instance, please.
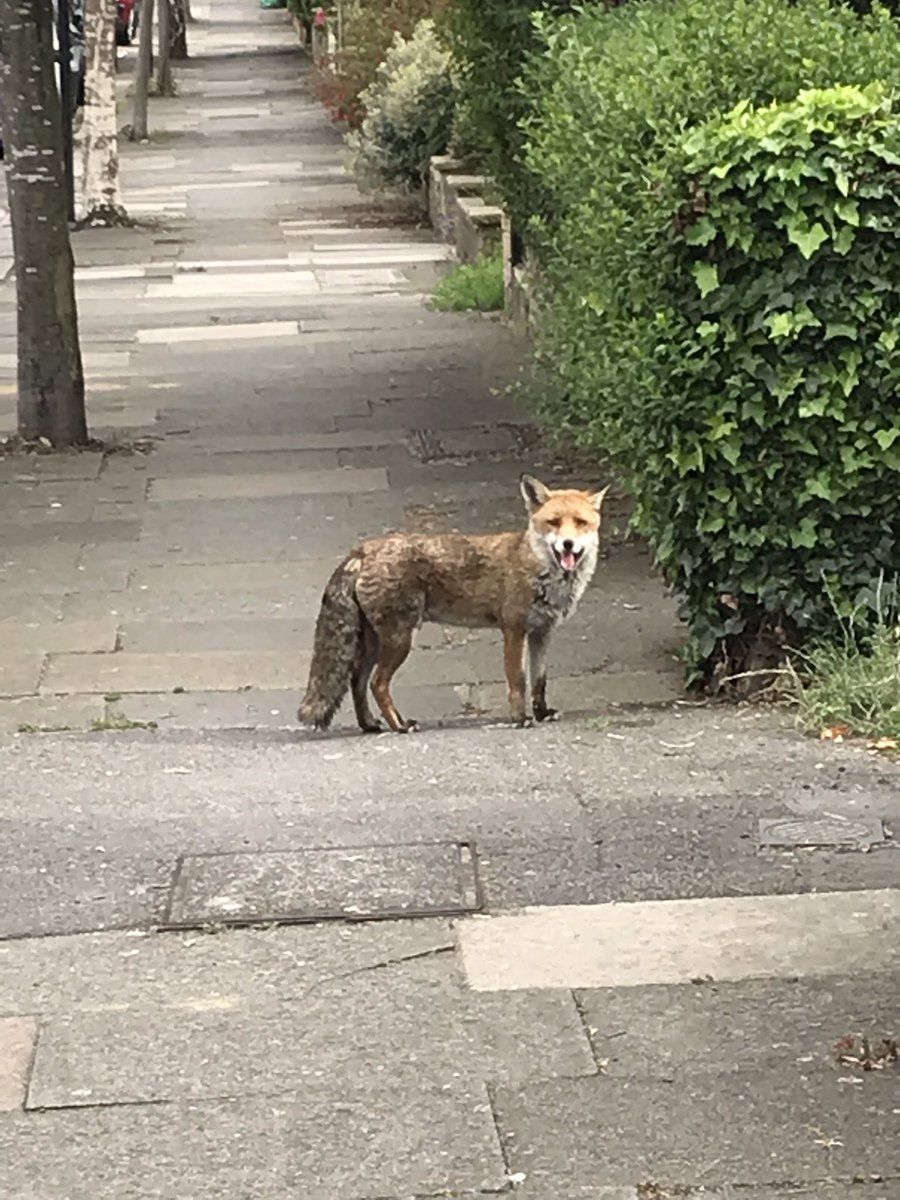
(564, 526)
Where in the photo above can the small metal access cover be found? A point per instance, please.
(819, 831)
(353, 883)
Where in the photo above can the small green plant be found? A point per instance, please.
(409, 115)
(851, 687)
(471, 287)
(116, 722)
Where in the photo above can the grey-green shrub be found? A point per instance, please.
(409, 114)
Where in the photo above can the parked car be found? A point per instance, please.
(126, 21)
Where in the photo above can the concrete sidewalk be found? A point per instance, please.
(269, 333)
(605, 960)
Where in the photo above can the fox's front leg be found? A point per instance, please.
(538, 642)
(514, 664)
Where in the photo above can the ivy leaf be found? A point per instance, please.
(706, 277)
(805, 537)
(701, 233)
(886, 437)
(807, 239)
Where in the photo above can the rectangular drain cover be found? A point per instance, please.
(794, 832)
(349, 883)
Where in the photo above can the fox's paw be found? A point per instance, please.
(372, 727)
(546, 714)
(524, 723)
(409, 727)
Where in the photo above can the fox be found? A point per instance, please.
(523, 583)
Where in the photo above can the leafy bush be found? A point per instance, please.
(368, 29)
(760, 451)
(409, 114)
(775, 482)
(471, 287)
(491, 41)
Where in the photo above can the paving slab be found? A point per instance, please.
(251, 970)
(725, 938)
(750, 1129)
(59, 636)
(228, 603)
(221, 670)
(37, 714)
(17, 1039)
(247, 462)
(407, 1022)
(246, 575)
(226, 487)
(352, 883)
(351, 1144)
(248, 633)
(685, 1030)
(20, 671)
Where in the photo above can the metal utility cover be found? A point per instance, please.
(350, 883)
(819, 831)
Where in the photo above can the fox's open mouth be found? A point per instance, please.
(568, 559)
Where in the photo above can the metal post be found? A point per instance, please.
(64, 39)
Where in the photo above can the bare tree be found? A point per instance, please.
(50, 373)
(143, 70)
(102, 200)
(164, 84)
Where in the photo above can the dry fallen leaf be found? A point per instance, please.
(883, 743)
(834, 733)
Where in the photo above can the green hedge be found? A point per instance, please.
(492, 40)
(645, 376)
(772, 490)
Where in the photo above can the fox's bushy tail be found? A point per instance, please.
(337, 648)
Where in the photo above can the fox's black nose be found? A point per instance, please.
(568, 546)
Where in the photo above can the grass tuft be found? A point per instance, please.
(471, 287)
(847, 689)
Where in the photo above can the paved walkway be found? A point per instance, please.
(269, 333)
(603, 960)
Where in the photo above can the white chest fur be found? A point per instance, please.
(557, 592)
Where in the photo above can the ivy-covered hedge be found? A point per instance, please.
(724, 421)
(772, 491)
(492, 40)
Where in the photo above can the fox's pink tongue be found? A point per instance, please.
(568, 561)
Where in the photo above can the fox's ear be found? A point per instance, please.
(597, 498)
(534, 492)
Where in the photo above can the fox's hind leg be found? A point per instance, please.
(393, 649)
(514, 666)
(362, 671)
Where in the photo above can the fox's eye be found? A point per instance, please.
(554, 522)
(579, 524)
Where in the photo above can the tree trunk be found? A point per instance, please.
(102, 200)
(139, 131)
(179, 46)
(188, 15)
(50, 374)
(164, 85)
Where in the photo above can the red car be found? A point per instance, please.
(126, 21)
